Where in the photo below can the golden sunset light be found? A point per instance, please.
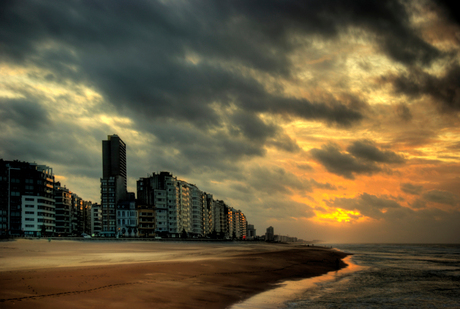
(310, 114)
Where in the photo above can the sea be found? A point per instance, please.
(378, 276)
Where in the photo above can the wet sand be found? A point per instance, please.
(88, 274)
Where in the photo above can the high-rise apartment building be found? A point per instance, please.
(180, 207)
(63, 204)
(26, 198)
(113, 181)
(270, 234)
(170, 199)
(114, 158)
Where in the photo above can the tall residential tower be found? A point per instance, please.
(113, 181)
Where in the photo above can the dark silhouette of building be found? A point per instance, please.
(63, 203)
(26, 198)
(113, 181)
(114, 158)
(270, 234)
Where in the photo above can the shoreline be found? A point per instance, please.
(289, 290)
(183, 275)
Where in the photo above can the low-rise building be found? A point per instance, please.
(127, 224)
(146, 220)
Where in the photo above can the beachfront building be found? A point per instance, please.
(220, 221)
(113, 181)
(76, 215)
(96, 219)
(208, 214)
(38, 216)
(270, 234)
(242, 226)
(24, 183)
(63, 204)
(146, 219)
(236, 226)
(197, 213)
(181, 208)
(87, 205)
(285, 238)
(127, 219)
(168, 198)
(251, 232)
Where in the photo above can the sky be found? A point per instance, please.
(329, 120)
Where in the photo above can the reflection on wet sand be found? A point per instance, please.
(289, 289)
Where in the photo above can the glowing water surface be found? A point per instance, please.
(291, 289)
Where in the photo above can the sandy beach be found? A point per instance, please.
(88, 274)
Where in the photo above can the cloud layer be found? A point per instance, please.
(300, 113)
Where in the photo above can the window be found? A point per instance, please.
(30, 225)
(29, 212)
(29, 199)
(30, 219)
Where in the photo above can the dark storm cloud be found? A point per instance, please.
(363, 157)
(449, 10)
(387, 20)
(284, 142)
(367, 150)
(26, 113)
(277, 180)
(411, 188)
(136, 53)
(444, 90)
(342, 164)
(418, 204)
(252, 126)
(442, 197)
(245, 30)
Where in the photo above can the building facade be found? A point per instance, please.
(146, 219)
(63, 205)
(96, 219)
(113, 182)
(127, 219)
(182, 208)
(270, 234)
(21, 180)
